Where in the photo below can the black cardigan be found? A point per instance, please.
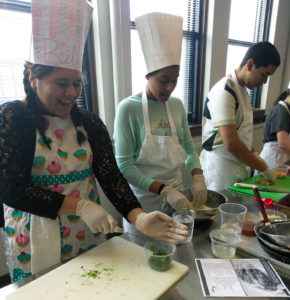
(17, 148)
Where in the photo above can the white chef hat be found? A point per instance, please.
(161, 39)
(59, 32)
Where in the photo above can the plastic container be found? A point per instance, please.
(232, 214)
(251, 219)
(281, 171)
(224, 241)
(159, 254)
(274, 214)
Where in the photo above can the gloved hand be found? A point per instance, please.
(198, 190)
(269, 174)
(160, 226)
(95, 216)
(176, 199)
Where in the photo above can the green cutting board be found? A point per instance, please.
(280, 184)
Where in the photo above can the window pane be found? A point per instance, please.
(242, 20)
(235, 57)
(138, 64)
(14, 50)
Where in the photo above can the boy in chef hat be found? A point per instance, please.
(152, 137)
(53, 152)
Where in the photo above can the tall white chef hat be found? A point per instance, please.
(161, 39)
(59, 32)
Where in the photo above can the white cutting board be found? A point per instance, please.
(124, 274)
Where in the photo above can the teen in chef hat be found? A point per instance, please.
(152, 138)
(49, 180)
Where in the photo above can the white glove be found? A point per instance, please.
(198, 190)
(269, 174)
(176, 199)
(160, 226)
(95, 216)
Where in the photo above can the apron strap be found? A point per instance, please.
(146, 115)
(285, 105)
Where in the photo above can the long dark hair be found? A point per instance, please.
(34, 109)
(282, 96)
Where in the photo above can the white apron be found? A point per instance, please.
(271, 152)
(161, 158)
(221, 169)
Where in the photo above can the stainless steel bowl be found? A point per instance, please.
(268, 243)
(214, 199)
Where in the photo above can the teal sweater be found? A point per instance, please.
(129, 135)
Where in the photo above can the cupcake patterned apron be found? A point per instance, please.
(36, 243)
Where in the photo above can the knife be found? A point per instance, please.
(252, 186)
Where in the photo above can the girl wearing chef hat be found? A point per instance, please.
(51, 151)
(276, 150)
(152, 137)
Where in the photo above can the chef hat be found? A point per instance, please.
(161, 39)
(59, 32)
(289, 85)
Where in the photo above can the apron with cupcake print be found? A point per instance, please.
(65, 169)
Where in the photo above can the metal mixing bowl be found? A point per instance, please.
(214, 199)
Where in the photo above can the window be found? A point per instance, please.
(15, 47)
(188, 88)
(15, 50)
(254, 29)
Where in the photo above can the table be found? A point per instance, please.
(190, 287)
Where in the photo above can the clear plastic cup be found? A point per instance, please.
(232, 214)
(159, 254)
(224, 241)
(185, 217)
(281, 170)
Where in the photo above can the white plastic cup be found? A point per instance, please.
(185, 217)
(232, 214)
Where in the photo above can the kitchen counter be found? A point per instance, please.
(190, 287)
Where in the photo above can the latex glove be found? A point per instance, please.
(269, 174)
(162, 227)
(198, 190)
(95, 216)
(176, 199)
